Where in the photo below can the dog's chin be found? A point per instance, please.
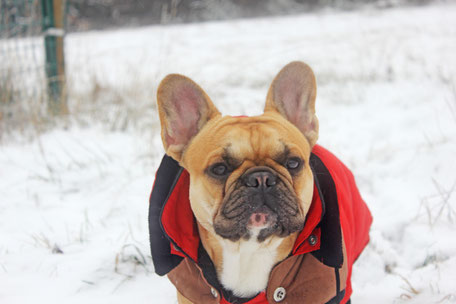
(260, 225)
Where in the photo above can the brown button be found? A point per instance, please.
(313, 239)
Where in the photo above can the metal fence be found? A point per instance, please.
(31, 54)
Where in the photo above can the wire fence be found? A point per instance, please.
(22, 67)
(31, 72)
(32, 69)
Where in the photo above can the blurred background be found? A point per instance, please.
(32, 35)
(80, 136)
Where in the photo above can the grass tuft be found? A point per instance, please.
(130, 255)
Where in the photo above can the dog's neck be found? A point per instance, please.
(244, 266)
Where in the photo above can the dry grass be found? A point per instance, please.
(116, 108)
(27, 116)
(23, 110)
(437, 206)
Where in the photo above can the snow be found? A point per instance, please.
(386, 104)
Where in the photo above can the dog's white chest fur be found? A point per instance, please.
(246, 266)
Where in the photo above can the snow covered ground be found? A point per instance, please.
(73, 206)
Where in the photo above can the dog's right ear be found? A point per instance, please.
(292, 94)
(184, 108)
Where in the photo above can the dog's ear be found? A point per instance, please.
(184, 108)
(292, 94)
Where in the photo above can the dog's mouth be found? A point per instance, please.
(262, 218)
(249, 212)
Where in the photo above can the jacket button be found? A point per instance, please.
(313, 239)
(279, 294)
(214, 292)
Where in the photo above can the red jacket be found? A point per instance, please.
(338, 219)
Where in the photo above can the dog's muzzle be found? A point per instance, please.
(259, 200)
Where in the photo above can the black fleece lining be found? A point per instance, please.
(166, 178)
(338, 298)
(330, 252)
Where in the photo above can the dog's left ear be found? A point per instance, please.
(292, 94)
(184, 108)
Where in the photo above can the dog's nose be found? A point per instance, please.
(260, 180)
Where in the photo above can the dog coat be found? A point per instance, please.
(318, 269)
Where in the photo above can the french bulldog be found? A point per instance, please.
(251, 188)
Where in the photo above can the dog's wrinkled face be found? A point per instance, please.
(253, 179)
(249, 176)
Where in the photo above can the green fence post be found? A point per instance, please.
(53, 27)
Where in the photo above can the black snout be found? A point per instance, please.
(259, 197)
(260, 179)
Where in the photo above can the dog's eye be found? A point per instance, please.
(293, 163)
(219, 169)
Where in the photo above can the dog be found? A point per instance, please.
(251, 209)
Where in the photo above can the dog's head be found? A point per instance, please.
(249, 176)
